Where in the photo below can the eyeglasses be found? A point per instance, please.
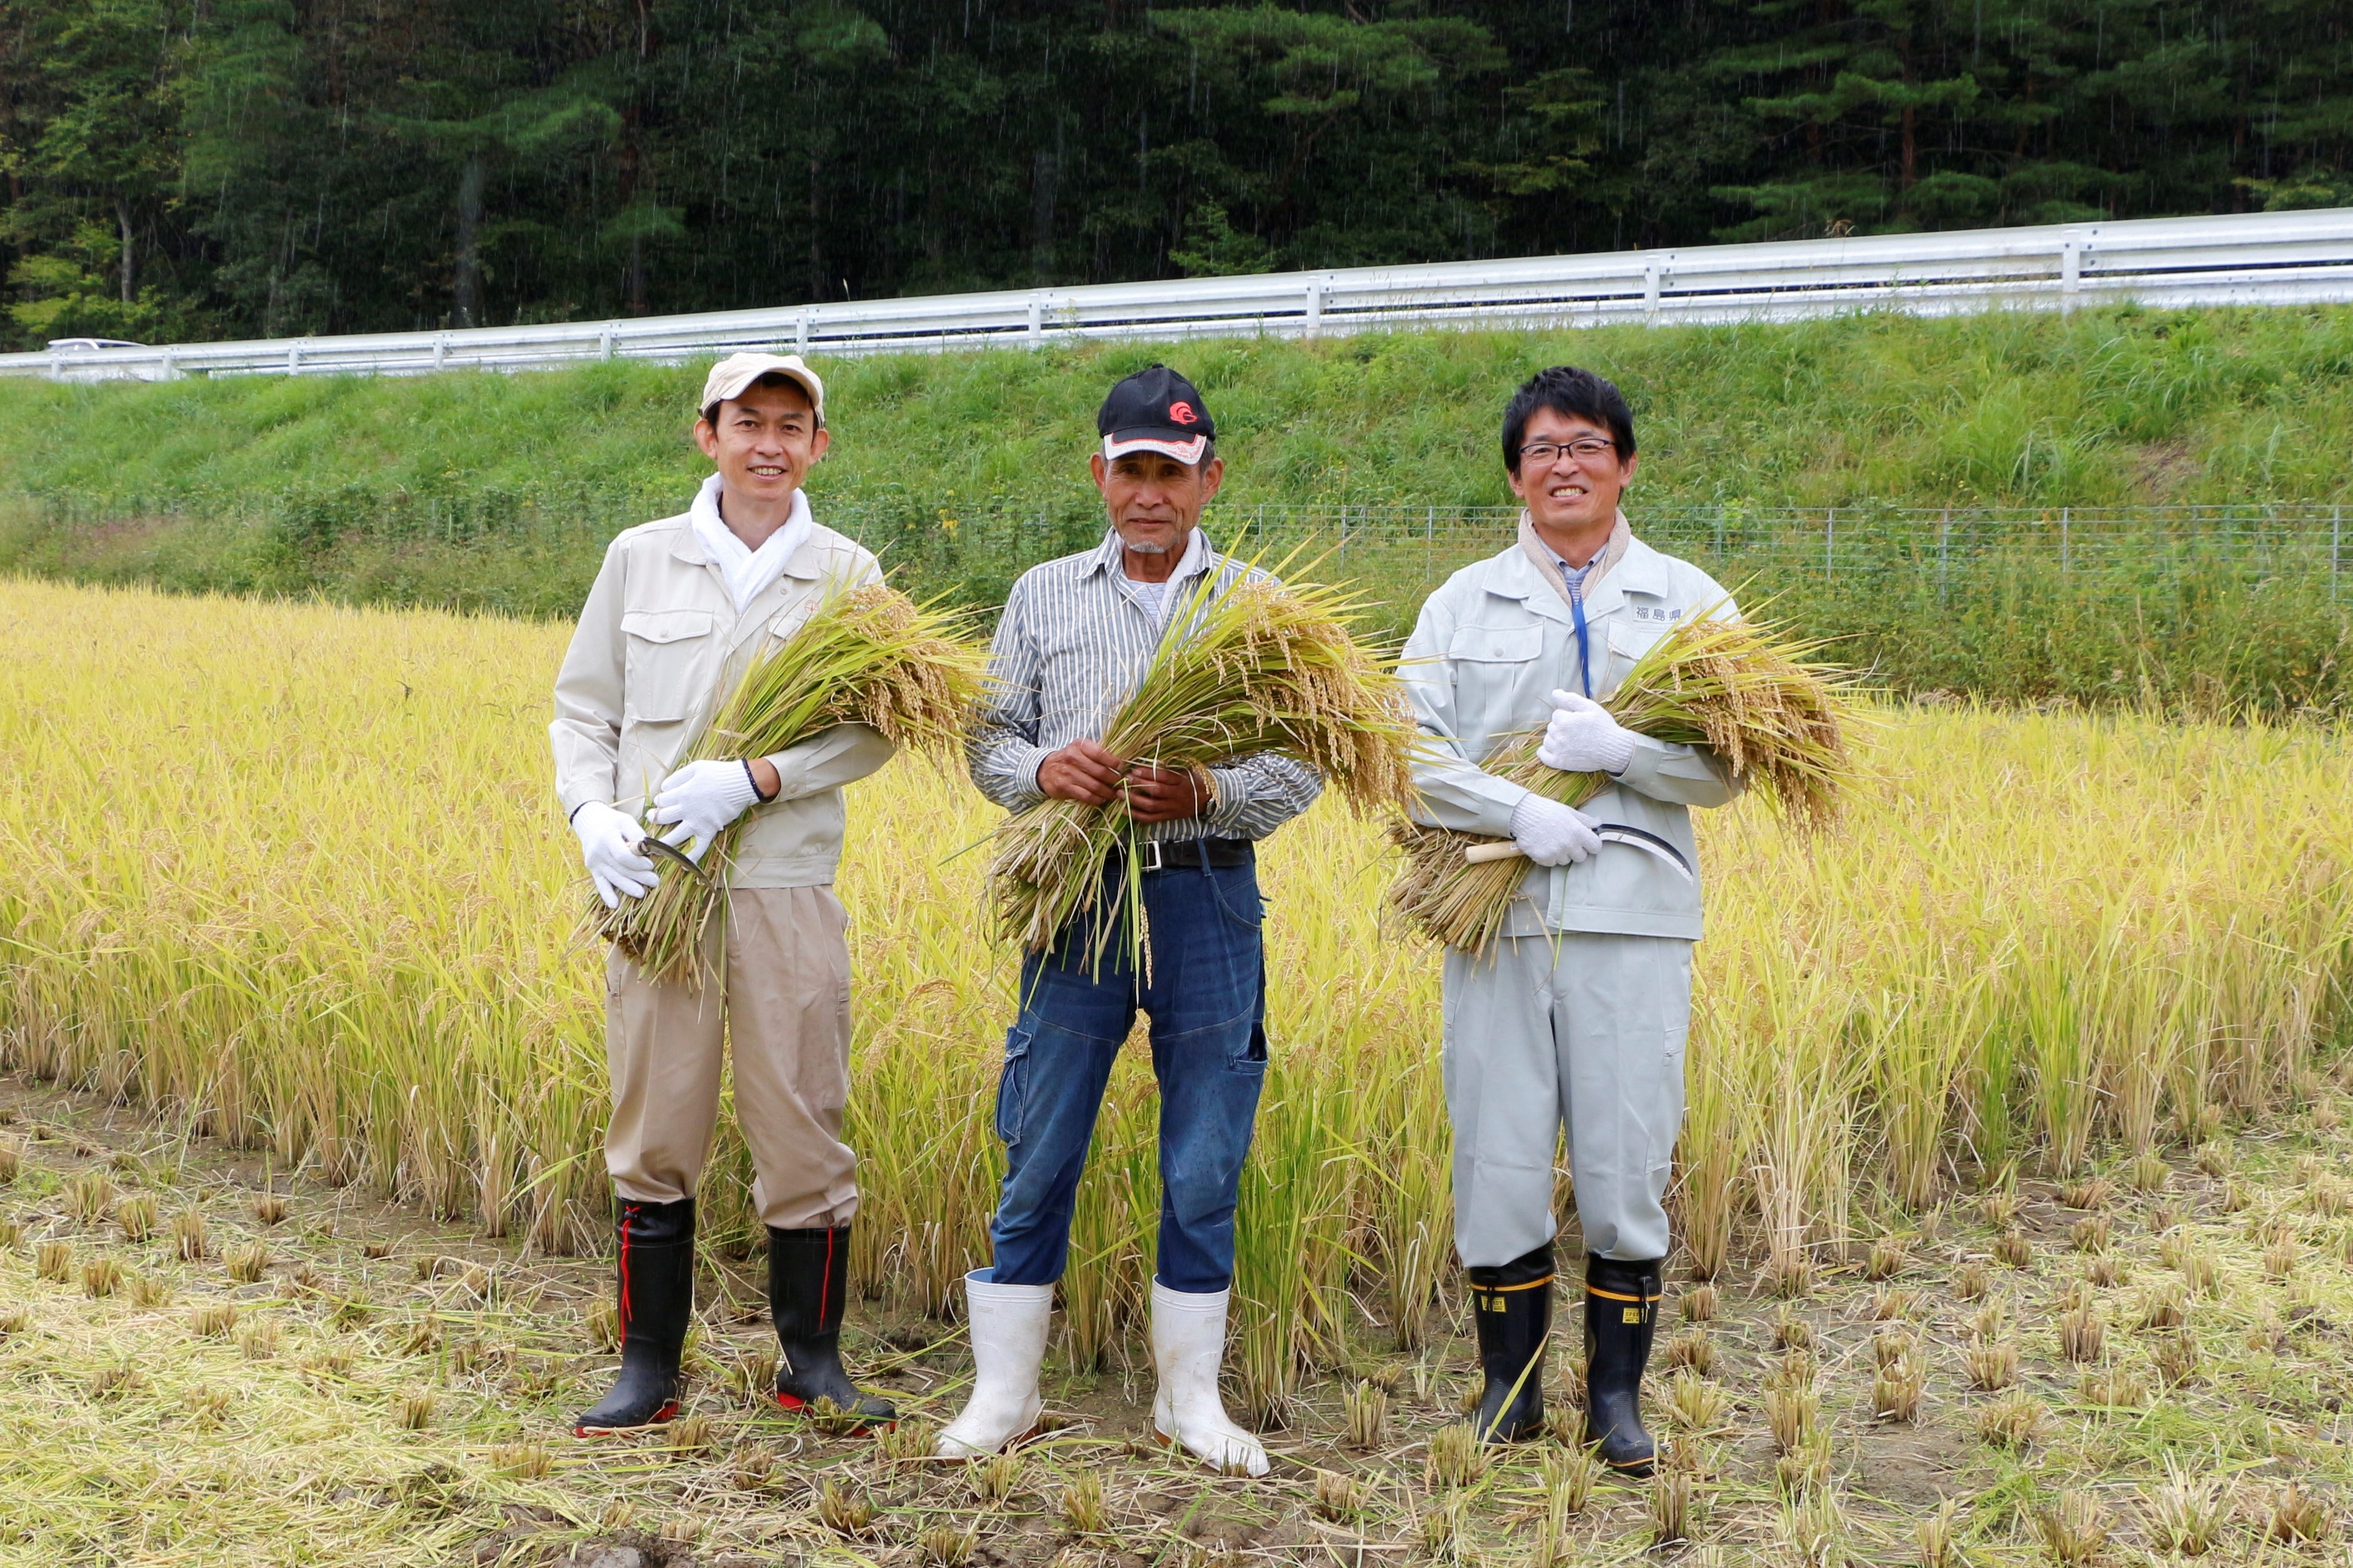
(1585, 449)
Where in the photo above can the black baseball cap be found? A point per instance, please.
(1156, 410)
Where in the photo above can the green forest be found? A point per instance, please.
(187, 169)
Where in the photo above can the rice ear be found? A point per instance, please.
(1754, 697)
(1262, 666)
(866, 655)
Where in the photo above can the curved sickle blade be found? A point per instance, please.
(655, 848)
(1649, 843)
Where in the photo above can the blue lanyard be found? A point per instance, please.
(1584, 650)
(1573, 579)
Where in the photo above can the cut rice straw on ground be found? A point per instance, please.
(1740, 689)
(865, 656)
(1262, 667)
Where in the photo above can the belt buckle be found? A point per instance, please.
(1152, 859)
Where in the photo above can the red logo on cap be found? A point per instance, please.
(1182, 413)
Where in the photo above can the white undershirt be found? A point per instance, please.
(1152, 598)
(748, 572)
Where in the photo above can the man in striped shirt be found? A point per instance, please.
(1076, 636)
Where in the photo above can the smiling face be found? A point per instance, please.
(1153, 500)
(1571, 499)
(764, 443)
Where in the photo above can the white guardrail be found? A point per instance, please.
(2266, 258)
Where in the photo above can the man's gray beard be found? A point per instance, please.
(1148, 549)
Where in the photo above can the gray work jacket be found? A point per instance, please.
(1491, 647)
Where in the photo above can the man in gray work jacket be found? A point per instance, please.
(1578, 1013)
(1076, 634)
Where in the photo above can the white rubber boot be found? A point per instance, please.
(1188, 1342)
(1009, 1344)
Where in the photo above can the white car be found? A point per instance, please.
(94, 359)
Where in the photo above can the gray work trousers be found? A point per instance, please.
(1573, 1028)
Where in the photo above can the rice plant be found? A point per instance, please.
(867, 656)
(2177, 1358)
(1084, 1511)
(136, 1217)
(1671, 1506)
(2188, 1512)
(942, 1545)
(1457, 1458)
(53, 1261)
(996, 1478)
(2083, 1333)
(1992, 1364)
(690, 1437)
(1742, 689)
(1569, 1474)
(1366, 1416)
(843, 1511)
(1260, 667)
(1935, 1538)
(2297, 1515)
(2074, 1529)
(189, 1236)
(399, 948)
(2016, 1420)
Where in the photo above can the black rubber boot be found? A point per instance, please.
(655, 1270)
(1511, 1304)
(1621, 1310)
(809, 1274)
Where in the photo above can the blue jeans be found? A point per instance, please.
(1206, 1000)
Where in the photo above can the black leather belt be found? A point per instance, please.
(1189, 854)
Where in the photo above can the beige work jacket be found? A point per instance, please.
(658, 645)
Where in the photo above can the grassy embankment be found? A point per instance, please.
(498, 492)
(290, 878)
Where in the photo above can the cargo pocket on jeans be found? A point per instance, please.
(1012, 1081)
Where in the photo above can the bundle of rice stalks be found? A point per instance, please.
(866, 656)
(1755, 698)
(1264, 667)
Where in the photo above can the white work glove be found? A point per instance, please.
(1551, 834)
(701, 798)
(608, 843)
(1581, 738)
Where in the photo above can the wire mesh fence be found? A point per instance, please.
(2237, 607)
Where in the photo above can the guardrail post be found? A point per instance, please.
(2070, 273)
(295, 357)
(440, 350)
(171, 369)
(605, 341)
(1830, 541)
(2335, 539)
(1036, 321)
(801, 333)
(1314, 306)
(1650, 292)
(1944, 555)
(2064, 560)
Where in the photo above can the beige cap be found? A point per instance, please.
(731, 375)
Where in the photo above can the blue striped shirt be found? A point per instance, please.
(1072, 644)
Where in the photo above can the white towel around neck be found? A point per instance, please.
(748, 570)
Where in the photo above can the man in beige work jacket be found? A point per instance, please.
(1577, 1015)
(678, 610)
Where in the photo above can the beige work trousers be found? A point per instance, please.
(784, 1017)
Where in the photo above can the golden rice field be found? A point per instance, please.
(292, 878)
